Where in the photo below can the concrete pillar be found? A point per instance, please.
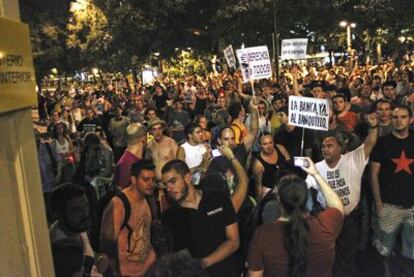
(24, 241)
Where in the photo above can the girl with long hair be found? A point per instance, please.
(63, 146)
(298, 244)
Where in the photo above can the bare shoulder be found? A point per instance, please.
(115, 204)
(257, 166)
(170, 141)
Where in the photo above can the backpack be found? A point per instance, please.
(161, 239)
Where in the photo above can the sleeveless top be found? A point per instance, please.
(62, 149)
(193, 157)
(271, 174)
(193, 154)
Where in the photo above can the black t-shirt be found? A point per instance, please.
(292, 141)
(89, 125)
(222, 164)
(396, 175)
(160, 101)
(202, 231)
(200, 106)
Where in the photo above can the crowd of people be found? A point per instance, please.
(195, 176)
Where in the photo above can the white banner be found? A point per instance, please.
(309, 112)
(255, 63)
(294, 49)
(229, 55)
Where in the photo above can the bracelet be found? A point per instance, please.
(232, 159)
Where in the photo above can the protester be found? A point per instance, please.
(162, 148)
(344, 173)
(204, 222)
(194, 153)
(297, 244)
(126, 241)
(230, 114)
(137, 141)
(70, 206)
(117, 128)
(268, 166)
(392, 178)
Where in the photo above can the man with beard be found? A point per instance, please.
(125, 236)
(204, 222)
(71, 207)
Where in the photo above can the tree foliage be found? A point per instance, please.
(120, 34)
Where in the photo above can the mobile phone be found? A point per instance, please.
(215, 153)
(300, 162)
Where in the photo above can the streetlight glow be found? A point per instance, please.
(348, 26)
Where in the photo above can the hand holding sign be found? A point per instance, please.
(255, 63)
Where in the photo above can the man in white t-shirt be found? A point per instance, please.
(194, 152)
(343, 173)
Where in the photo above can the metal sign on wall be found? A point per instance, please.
(17, 78)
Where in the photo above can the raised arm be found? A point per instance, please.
(254, 125)
(295, 87)
(240, 191)
(240, 88)
(332, 199)
(372, 136)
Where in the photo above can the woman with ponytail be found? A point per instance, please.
(298, 244)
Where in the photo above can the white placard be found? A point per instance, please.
(229, 55)
(255, 63)
(309, 112)
(294, 49)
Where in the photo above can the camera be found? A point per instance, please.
(300, 162)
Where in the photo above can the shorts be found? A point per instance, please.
(395, 219)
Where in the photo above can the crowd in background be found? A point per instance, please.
(231, 136)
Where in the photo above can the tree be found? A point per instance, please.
(48, 34)
(87, 33)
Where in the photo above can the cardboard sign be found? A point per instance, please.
(229, 55)
(17, 78)
(294, 49)
(309, 112)
(255, 63)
